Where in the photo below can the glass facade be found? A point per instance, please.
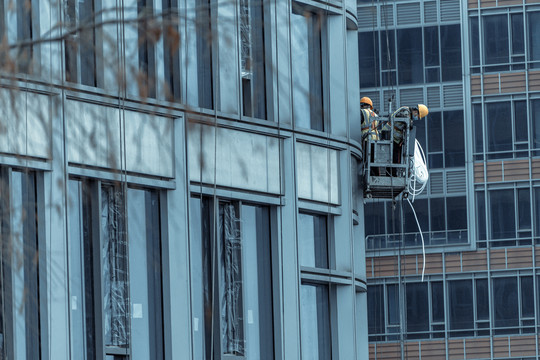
(479, 212)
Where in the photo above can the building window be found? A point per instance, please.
(313, 237)
(368, 58)
(443, 221)
(534, 39)
(461, 308)
(307, 69)
(424, 55)
(253, 58)
(315, 328)
(442, 134)
(513, 314)
(504, 48)
(171, 46)
(410, 67)
(139, 52)
(204, 53)
(19, 284)
(506, 230)
(116, 309)
(423, 310)
(506, 127)
(80, 45)
(232, 280)
(18, 27)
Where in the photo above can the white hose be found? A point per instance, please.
(421, 236)
(419, 176)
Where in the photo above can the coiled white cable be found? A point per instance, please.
(419, 173)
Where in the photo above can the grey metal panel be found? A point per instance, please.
(353, 86)
(149, 144)
(456, 181)
(367, 17)
(430, 12)
(408, 13)
(38, 118)
(317, 173)
(410, 97)
(434, 96)
(436, 184)
(449, 10)
(336, 75)
(93, 134)
(234, 158)
(25, 123)
(453, 95)
(303, 171)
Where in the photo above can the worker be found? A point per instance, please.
(369, 124)
(413, 113)
(369, 128)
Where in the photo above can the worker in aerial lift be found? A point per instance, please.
(369, 126)
(414, 113)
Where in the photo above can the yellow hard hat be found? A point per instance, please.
(367, 100)
(422, 110)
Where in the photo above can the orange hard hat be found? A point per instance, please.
(366, 100)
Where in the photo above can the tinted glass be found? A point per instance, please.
(524, 209)
(431, 45)
(460, 306)
(410, 68)
(505, 303)
(417, 316)
(496, 44)
(499, 126)
(454, 139)
(478, 131)
(534, 39)
(451, 52)
(537, 211)
(457, 212)
(482, 300)
(313, 240)
(475, 42)
(481, 214)
(393, 304)
(527, 297)
(518, 42)
(435, 132)
(388, 45)
(437, 214)
(374, 218)
(502, 214)
(535, 118)
(375, 305)
(368, 58)
(437, 301)
(315, 322)
(520, 120)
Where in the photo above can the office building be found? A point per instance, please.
(179, 180)
(475, 65)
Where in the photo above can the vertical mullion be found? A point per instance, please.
(95, 208)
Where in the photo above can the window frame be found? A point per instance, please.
(91, 237)
(213, 240)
